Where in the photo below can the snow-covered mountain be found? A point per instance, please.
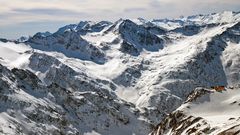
(123, 77)
(205, 112)
(214, 18)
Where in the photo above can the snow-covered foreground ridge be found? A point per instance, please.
(205, 112)
(122, 78)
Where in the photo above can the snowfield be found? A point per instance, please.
(221, 107)
(14, 55)
(210, 113)
(124, 77)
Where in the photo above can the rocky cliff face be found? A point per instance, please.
(139, 36)
(195, 116)
(69, 43)
(30, 107)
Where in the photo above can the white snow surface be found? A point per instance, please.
(222, 17)
(14, 55)
(219, 109)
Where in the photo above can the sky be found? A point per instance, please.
(26, 17)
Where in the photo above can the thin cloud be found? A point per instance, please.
(14, 31)
(135, 10)
(48, 11)
(175, 8)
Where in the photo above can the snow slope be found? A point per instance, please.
(28, 106)
(14, 55)
(207, 113)
(222, 17)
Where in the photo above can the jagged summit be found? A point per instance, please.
(222, 17)
(139, 36)
(84, 27)
(70, 43)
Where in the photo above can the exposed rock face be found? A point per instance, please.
(197, 93)
(154, 29)
(56, 72)
(84, 27)
(190, 30)
(183, 121)
(56, 109)
(139, 36)
(3, 40)
(94, 27)
(129, 76)
(214, 18)
(69, 43)
(180, 123)
(129, 48)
